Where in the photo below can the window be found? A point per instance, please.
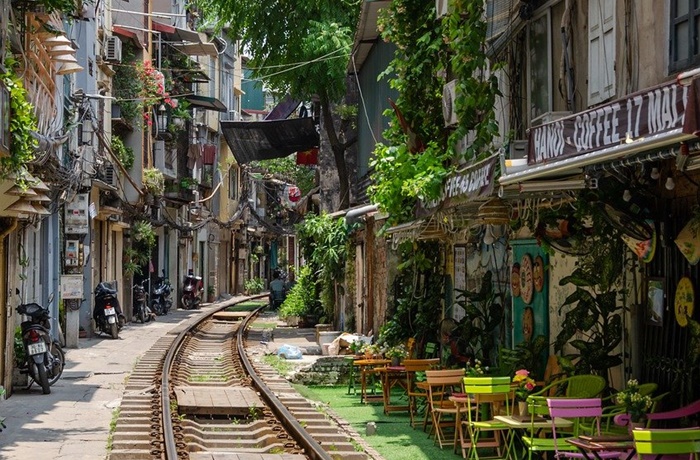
(539, 80)
(233, 183)
(601, 50)
(684, 29)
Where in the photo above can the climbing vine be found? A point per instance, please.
(420, 153)
(22, 124)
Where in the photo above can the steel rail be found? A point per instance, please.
(168, 437)
(311, 447)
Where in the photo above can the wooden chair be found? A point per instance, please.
(441, 384)
(413, 391)
(576, 410)
(495, 392)
(659, 442)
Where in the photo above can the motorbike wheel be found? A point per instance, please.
(58, 359)
(141, 315)
(157, 308)
(43, 378)
(114, 330)
(187, 302)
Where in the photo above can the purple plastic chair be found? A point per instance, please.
(577, 410)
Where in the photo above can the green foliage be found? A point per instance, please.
(124, 154)
(143, 238)
(525, 355)
(477, 85)
(483, 316)
(594, 311)
(287, 170)
(301, 299)
(416, 308)
(20, 353)
(408, 170)
(127, 85)
(324, 243)
(153, 181)
(22, 124)
(254, 285)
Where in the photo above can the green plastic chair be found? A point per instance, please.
(576, 386)
(533, 439)
(496, 393)
(659, 442)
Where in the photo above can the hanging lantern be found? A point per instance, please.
(162, 119)
(494, 212)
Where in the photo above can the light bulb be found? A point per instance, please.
(488, 236)
(626, 195)
(654, 173)
(670, 184)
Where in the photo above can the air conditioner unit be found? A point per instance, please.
(517, 149)
(548, 117)
(109, 175)
(449, 95)
(113, 49)
(441, 7)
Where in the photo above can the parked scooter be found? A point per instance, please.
(192, 291)
(107, 316)
(141, 310)
(44, 359)
(162, 299)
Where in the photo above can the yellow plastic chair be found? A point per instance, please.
(658, 442)
(576, 386)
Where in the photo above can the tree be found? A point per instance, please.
(300, 48)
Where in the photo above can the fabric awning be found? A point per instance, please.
(207, 103)
(650, 119)
(188, 41)
(265, 140)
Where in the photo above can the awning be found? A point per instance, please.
(367, 33)
(653, 118)
(188, 41)
(265, 140)
(207, 103)
(126, 33)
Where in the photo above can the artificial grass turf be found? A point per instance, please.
(395, 438)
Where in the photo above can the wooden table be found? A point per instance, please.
(368, 369)
(590, 446)
(393, 376)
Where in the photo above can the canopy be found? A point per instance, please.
(268, 139)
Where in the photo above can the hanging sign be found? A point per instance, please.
(472, 182)
(663, 109)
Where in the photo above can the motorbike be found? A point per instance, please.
(107, 316)
(44, 358)
(141, 310)
(192, 291)
(162, 299)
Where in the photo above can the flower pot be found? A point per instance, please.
(632, 425)
(395, 361)
(522, 407)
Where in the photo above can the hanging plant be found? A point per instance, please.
(153, 181)
(22, 123)
(124, 154)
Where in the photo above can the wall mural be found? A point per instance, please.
(530, 291)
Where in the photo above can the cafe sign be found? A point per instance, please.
(472, 182)
(654, 111)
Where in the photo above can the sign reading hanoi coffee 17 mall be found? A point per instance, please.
(663, 109)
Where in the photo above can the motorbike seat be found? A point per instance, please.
(105, 289)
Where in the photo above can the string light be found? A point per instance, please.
(670, 184)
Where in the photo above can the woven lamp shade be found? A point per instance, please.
(56, 40)
(39, 198)
(41, 210)
(39, 186)
(16, 190)
(61, 49)
(68, 68)
(494, 212)
(22, 206)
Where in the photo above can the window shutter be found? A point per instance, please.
(601, 50)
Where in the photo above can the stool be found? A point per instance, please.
(351, 374)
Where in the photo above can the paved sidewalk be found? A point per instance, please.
(73, 422)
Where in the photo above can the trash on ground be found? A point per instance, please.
(289, 352)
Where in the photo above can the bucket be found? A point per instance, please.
(322, 328)
(327, 337)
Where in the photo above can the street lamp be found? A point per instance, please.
(162, 119)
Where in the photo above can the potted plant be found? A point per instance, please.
(153, 181)
(396, 354)
(525, 386)
(634, 403)
(211, 293)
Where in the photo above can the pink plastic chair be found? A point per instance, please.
(576, 410)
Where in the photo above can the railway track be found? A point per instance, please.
(195, 395)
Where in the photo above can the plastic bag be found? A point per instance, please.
(289, 352)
